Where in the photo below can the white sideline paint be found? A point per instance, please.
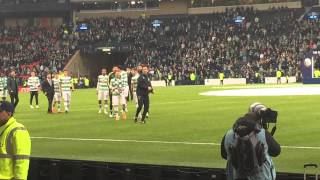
(158, 142)
(287, 91)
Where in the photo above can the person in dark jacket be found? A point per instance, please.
(13, 89)
(143, 89)
(48, 89)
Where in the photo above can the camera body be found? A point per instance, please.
(265, 115)
(268, 116)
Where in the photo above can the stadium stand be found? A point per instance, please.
(27, 49)
(205, 44)
(240, 42)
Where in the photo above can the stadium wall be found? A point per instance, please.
(262, 7)
(39, 21)
(158, 83)
(165, 8)
(273, 80)
(227, 81)
(60, 169)
(78, 65)
(174, 8)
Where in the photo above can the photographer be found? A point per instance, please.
(248, 146)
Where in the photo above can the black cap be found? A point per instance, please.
(6, 106)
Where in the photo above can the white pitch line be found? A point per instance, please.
(159, 142)
(126, 140)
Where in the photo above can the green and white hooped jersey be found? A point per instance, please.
(124, 79)
(3, 83)
(33, 83)
(115, 85)
(66, 83)
(56, 85)
(134, 82)
(103, 83)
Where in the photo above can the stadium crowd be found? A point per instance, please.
(266, 41)
(27, 49)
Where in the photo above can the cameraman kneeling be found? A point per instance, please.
(248, 148)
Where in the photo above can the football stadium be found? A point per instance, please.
(159, 89)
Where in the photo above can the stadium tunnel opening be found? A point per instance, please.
(90, 64)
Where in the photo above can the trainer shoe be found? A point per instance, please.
(105, 112)
(126, 110)
(100, 111)
(37, 106)
(31, 107)
(110, 115)
(117, 118)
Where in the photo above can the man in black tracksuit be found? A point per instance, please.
(48, 89)
(143, 89)
(13, 89)
(130, 94)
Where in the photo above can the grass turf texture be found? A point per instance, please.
(177, 114)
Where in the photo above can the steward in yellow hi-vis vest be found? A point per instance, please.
(15, 146)
(317, 73)
(279, 75)
(221, 77)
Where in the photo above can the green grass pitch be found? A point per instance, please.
(177, 114)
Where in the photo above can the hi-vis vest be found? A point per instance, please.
(279, 74)
(15, 147)
(192, 77)
(221, 76)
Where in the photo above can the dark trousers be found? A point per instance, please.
(14, 99)
(110, 98)
(33, 93)
(130, 95)
(143, 101)
(278, 80)
(50, 99)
